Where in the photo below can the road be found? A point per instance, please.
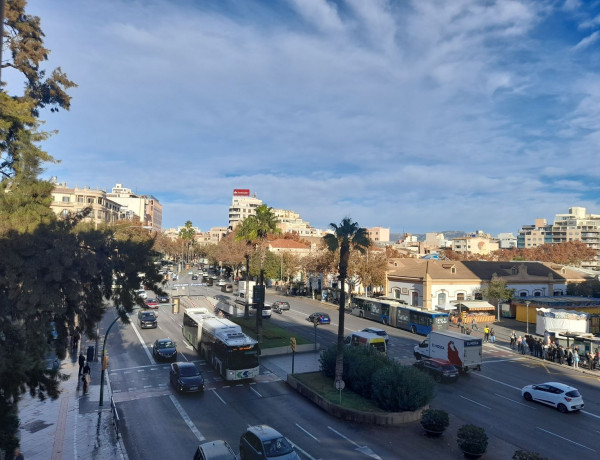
(159, 423)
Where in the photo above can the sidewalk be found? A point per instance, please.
(73, 426)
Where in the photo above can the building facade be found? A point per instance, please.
(73, 200)
(477, 243)
(145, 207)
(379, 235)
(242, 206)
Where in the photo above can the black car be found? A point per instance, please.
(165, 349)
(194, 277)
(186, 377)
(319, 318)
(163, 299)
(440, 369)
(147, 319)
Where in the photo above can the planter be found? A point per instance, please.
(472, 440)
(434, 422)
(433, 433)
(471, 455)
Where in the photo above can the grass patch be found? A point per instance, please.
(273, 336)
(324, 386)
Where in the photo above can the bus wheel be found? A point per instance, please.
(413, 329)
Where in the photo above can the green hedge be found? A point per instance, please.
(374, 376)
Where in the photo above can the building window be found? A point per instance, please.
(79, 199)
(453, 270)
(396, 293)
(523, 294)
(442, 298)
(65, 199)
(478, 296)
(460, 296)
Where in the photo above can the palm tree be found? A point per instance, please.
(254, 230)
(347, 235)
(187, 234)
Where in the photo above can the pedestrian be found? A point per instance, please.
(561, 355)
(513, 340)
(18, 455)
(474, 324)
(76, 338)
(492, 335)
(468, 331)
(519, 344)
(81, 362)
(486, 333)
(86, 378)
(576, 359)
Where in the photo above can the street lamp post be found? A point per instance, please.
(527, 302)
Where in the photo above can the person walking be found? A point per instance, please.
(86, 379)
(492, 335)
(474, 324)
(486, 333)
(81, 362)
(76, 338)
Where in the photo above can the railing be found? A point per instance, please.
(113, 407)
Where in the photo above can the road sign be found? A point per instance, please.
(340, 384)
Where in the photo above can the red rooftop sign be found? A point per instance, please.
(241, 192)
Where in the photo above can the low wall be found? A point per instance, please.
(371, 418)
(287, 350)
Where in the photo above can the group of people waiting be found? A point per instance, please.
(549, 350)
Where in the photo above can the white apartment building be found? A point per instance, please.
(577, 225)
(242, 206)
(291, 222)
(507, 240)
(477, 243)
(146, 207)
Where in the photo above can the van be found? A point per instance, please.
(366, 339)
(227, 288)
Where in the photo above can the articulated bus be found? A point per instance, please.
(222, 343)
(399, 315)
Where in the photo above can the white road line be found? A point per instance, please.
(475, 402)
(297, 447)
(186, 418)
(307, 433)
(143, 343)
(589, 413)
(516, 402)
(497, 381)
(566, 439)
(344, 437)
(255, 392)
(217, 395)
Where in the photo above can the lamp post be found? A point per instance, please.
(527, 302)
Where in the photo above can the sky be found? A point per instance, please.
(420, 116)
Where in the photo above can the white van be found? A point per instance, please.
(240, 297)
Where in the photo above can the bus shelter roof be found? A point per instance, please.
(474, 305)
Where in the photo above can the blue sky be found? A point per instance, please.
(419, 115)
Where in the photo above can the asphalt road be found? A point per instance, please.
(159, 423)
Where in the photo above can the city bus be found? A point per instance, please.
(400, 315)
(225, 347)
(376, 309)
(192, 325)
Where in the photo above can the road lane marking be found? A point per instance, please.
(516, 402)
(256, 392)
(187, 419)
(497, 381)
(475, 402)
(344, 437)
(307, 433)
(566, 439)
(217, 395)
(143, 343)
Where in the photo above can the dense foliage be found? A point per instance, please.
(374, 376)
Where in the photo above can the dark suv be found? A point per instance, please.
(440, 369)
(147, 319)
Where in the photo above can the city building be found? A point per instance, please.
(242, 206)
(507, 241)
(290, 222)
(73, 200)
(379, 235)
(476, 243)
(213, 236)
(146, 207)
(530, 236)
(437, 283)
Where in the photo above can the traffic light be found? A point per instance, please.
(105, 362)
(293, 343)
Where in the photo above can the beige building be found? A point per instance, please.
(379, 234)
(479, 243)
(72, 200)
(146, 207)
(291, 222)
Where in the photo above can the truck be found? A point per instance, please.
(462, 350)
(244, 294)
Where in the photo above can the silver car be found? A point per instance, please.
(263, 442)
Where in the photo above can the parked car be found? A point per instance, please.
(280, 305)
(319, 318)
(164, 349)
(379, 332)
(163, 299)
(151, 303)
(215, 450)
(142, 294)
(564, 397)
(186, 377)
(221, 282)
(440, 369)
(147, 319)
(263, 442)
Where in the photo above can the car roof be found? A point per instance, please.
(264, 432)
(562, 386)
(166, 339)
(373, 329)
(218, 449)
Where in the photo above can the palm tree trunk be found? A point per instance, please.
(339, 360)
(246, 307)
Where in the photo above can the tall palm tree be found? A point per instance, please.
(187, 235)
(347, 235)
(254, 230)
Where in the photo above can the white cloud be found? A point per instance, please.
(587, 41)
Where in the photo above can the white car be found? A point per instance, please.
(564, 397)
(142, 294)
(266, 311)
(221, 283)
